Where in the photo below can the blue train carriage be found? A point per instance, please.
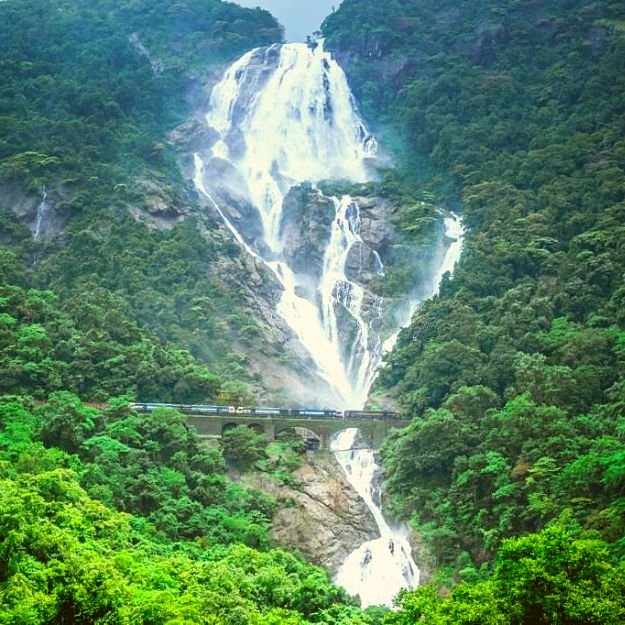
(371, 414)
(269, 411)
(207, 409)
(318, 413)
(150, 406)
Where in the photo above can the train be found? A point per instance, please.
(266, 411)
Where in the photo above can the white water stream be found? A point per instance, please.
(42, 211)
(285, 115)
(380, 567)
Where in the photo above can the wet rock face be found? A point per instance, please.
(44, 214)
(307, 220)
(363, 264)
(325, 518)
(375, 228)
(305, 228)
(192, 136)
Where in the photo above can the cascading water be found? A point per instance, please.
(340, 294)
(293, 109)
(284, 115)
(454, 232)
(42, 211)
(378, 568)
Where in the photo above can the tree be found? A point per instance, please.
(242, 446)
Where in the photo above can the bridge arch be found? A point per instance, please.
(311, 439)
(228, 426)
(364, 439)
(315, 428)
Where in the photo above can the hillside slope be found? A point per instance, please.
(513, 112)
(91, 191)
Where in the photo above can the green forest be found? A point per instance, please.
(512, 469)
(85, 116)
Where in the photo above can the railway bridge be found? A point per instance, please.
(316, 431)
(315, 426)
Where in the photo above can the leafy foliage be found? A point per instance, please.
(90, 94)
(243, 447)
(547, 578)
(152, 465)
(68, 558)
(96, 352)
(88, 89)
(195, 551)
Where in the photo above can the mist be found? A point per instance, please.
(299, 17)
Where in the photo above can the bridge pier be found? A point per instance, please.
(270, 429)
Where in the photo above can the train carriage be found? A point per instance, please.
(269, 411)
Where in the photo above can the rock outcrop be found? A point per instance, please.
(324, 517)
(306, 224)
(307, 218)
(44, 214)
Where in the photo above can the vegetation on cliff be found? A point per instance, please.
(89, 95)
(107, 515)
(89, 89)
(186, 544)
(514, 375)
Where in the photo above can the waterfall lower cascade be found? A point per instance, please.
(378, 568)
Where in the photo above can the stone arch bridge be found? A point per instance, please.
(317, 430)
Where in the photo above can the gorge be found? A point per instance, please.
(284, 117)
(145, 256)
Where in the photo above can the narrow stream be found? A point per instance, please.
(42, 211)
(379, 568)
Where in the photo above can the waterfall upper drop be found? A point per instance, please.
(285, 115)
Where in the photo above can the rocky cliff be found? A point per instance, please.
(322, 516)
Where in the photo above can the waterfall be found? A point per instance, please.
(292, 108)
(42, 211)
(339, 293)
(284, 115)
(454, 231)
(380, 567)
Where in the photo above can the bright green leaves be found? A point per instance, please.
(550, 578)
(68, 558)
(98, 351)
(243, 447)
(556, 578)
(66, 423)
(484, 108)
